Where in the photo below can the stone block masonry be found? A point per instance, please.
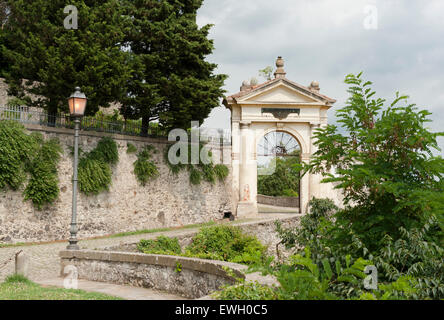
(168, 201)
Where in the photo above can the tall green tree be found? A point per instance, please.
(385, 165)
(171, 81)
(3, 18)
(49, 61)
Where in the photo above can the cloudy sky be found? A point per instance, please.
(325, 40)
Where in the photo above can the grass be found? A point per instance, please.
(17, 287)
(147, 231)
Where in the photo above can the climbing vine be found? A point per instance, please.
(144, 168)
(198, 172)
(43, 186)
(95, 172)
(17, 149)
(24, 154)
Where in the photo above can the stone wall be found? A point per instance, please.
(168, 201)
(189, 277)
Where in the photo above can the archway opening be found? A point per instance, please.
(278, 173)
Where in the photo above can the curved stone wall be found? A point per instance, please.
(189, 277)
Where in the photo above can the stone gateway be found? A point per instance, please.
(278, 105)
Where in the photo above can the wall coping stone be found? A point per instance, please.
(87, 133)
(202, 265)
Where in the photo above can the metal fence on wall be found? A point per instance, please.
(29, 115)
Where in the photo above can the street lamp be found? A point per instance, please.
(77, 105)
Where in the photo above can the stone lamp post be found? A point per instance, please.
(77, 105)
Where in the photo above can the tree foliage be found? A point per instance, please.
(284, 181)
(171, 81)
(54, 60)
(384, 163)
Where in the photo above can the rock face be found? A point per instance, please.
(168, 201)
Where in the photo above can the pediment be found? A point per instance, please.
(280, 93)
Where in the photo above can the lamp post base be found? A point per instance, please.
(73, 245)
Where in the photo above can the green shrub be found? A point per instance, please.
(223, 243)
(105, 151)
(195, 176)
(161, 245)
(17, 149)
(226, 243)
(221, 171)
(208, 172)
(94, 176)
(130, 148)
(144, 168)
(43, 187)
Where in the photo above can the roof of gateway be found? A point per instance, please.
(313, 90)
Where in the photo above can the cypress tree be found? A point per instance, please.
(171, 81)
(53, 60)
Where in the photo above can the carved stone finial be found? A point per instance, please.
(245, 85)
(314, 86)
(280, 72)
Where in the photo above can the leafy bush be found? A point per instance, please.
(144, 168)
(105, 151)
(43, 187)
(221, 171)
(195, 176)
(413, 256)
(384, 164)
(309, 231)
(17, 149)
(95, 172)
(161, 245)
(94, 176)
(130, 148)
(226, 243)
(20, 154)
(302, 279)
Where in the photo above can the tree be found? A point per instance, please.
(266, 72)
(3, 18)
(171, 81)
(284, 181)
(384, 164)
(49, 61)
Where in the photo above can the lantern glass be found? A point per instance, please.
(77, 103)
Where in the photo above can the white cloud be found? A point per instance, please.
(325, 40)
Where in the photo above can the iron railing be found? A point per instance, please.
(29, 115)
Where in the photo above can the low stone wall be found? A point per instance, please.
(197, 277)
(289, 202)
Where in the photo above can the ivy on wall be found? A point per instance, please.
(23, 154)
(198, 172)
(43, 186)
(95, 172)
(144, 168)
